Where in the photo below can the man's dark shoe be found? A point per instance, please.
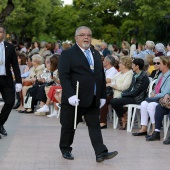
(167, 141)
(155, 136)
(139, 133)
(0, 137)
(68, 155)
(106, 155)
(3, 131)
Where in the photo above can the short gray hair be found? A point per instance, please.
(156, 58)
(110, 59)
(37, 58)
(80, 28)
(104, 43)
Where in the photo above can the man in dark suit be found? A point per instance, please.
(82, 63)
(8, 58)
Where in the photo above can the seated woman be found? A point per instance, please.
(155, 73)
(135, 94)
(35, 71)
(44, 96)
(162, 87)
(121, 81)
(22, 66)
(160, 112)
(149, 60)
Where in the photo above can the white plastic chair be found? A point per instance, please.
(132, 108)
(166, 124)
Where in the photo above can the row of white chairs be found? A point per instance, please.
(134, 111)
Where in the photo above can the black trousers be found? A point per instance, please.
(117, 104)
(91, 115)
(8, 95)
(41, 96)
(159, 115)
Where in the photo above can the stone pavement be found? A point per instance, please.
(32, 144)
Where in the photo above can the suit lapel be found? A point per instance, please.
(82, 58)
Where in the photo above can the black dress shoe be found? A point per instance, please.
(106, 155)
(103, 127)
(16, 106)
(167, 141)
(155, 136)
(3, 131)
(21, 111)
(68, 155)
(139, 133)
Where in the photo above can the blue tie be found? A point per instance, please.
(87, 54)
(2, 64)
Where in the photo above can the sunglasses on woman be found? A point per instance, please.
(156, 63)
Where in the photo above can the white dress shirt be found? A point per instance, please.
(110, 73)
(91, 56)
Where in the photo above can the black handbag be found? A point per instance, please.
(50, 83)
(109, 91)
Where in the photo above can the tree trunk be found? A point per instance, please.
(6, 11)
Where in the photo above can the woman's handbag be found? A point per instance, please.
(27, 83)
(27, 101)
(165, 101)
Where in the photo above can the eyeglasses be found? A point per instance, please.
(84, 35)
(156, 63)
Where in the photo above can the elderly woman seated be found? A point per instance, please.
(148, 106)
(121, 81)
(155, 73)
(135, 94)
(35, 72)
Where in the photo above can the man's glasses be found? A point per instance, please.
(84, 35)
(156, 63)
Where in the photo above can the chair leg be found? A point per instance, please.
(166, 125)
(133, 118)
(115, 120)
(149, 126)
(129, 118)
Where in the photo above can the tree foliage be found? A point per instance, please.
(110, 20)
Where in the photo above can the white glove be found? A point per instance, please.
(73, 100)
(102, 102)
(18, 87)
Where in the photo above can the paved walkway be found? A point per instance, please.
(32, 144)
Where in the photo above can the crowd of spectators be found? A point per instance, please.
(128, 71)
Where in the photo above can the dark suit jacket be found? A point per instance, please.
(11, 60)
(73, 66)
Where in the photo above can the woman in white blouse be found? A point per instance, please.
(120, 82)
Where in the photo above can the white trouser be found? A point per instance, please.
(148, 110)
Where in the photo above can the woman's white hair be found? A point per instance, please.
(37, 58)
(156, 58)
